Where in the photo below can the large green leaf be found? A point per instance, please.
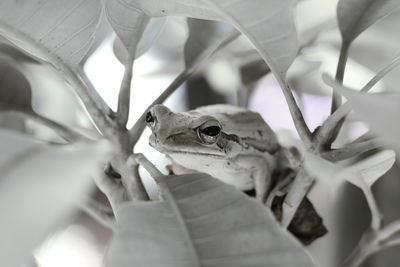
(268, 24)
(189, 8)
(38, 184)
(355, 16)
(201, 222)
(63, 28)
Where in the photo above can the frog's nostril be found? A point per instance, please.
(149, 117)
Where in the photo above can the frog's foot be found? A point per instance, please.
(262, 183)
(108, 181)
(280, 189)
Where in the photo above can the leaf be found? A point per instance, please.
(381, 37)
(253, 71)
(58, 32)
(149, 36)
(129, 23)
(202, 34)
(355, 16)
(379, 110)
(8, 50)
(369, 169)
(64, 28)
(268, 24)
(15, 90)
(38, 184)
(151, 32)
(202, 222)
(185, 8)
(372, 168)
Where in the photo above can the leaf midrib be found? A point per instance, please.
(181, 220)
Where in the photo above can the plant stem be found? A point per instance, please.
(125, 89)
(136, 188)
(43, 54)
(394, 64)
(150, 168)
(336, 97)
(390, 230)
(297, 116)
(376, 217)
(373, 241)
(104, 124)
(374, 238)
(332, 122)
(344, 51)
(64, 131)
(366, 247)
(115, 192)
(93, 92)
(299, 189)
(350, 150)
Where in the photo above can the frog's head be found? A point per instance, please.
(185, 132)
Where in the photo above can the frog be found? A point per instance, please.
(230, 143)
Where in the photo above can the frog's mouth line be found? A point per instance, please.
(194, 153)
(186, 152)
(172, 151)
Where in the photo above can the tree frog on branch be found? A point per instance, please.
(230, 143)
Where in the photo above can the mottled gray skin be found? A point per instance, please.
(244, 153)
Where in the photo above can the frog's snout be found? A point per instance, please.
(156, 115)
(158, 119)
(149, 117)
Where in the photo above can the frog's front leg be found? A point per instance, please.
(260, 171)
(262, 183)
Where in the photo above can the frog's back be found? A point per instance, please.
(240, 122)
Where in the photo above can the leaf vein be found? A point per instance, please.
(208, 213)
(55, 26)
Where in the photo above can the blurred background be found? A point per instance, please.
(235, 75)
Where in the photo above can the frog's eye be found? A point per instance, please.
(209, 132)
(149, 118)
